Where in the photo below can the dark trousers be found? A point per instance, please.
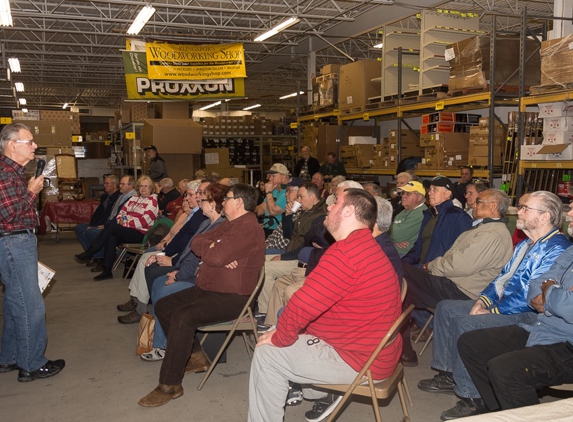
(506, 373)
(111, 236)
(180, 314)
(426, 291)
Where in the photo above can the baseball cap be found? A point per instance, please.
(278, 168)
(413, 186)
(201, 174)
(439, 181)
(150, 147)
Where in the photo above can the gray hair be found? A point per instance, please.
(552, 205)
(375, 187)
(113, 179)
(500, 198)
(384, 219)
(338, 179)
(479, 187)
(405, 174)
(166, 182)
(194, 185)
(349, 184)
(9, 133)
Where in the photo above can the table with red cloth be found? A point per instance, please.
(68, 211)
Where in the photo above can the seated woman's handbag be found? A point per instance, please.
(145, 334)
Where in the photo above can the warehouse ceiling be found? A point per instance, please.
(69, 51)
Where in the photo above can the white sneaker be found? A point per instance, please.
(154, 355)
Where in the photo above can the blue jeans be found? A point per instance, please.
(24, 334)
(86, 237)
(273, 251)
(158, 291)
(451, 320)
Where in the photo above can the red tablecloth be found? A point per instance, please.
(69, 211)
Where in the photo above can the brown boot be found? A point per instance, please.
(198, 362)
(132, 318)
(128, 306)
(161, 395)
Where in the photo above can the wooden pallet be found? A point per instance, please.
(551, 88)
(352, 110)
(507, 89)
(431, 97)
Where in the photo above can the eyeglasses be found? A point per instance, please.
(187, 194)
(201, 192)
(229, 197)
(525, 208)
(22, 141)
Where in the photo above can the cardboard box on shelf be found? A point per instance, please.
(556, 152)
(558, 109)
(554, 56)
(355, 83)
(364, 154)
(173, 136)
(531, 152)
(459, 139)
(330, 68)
(554, 137)
(48, 133)
(553, 124)
(172, 110)
(217, 158)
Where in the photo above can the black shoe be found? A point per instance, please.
(49, 369)
(106, 275)
(409, 359)
(7, 367)
(97, 269)
(465, 407)
(294, 396)
(82, 258)
(322, 408)
(441, 383)
(94, 262)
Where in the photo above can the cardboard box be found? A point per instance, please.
(173, 136)
(330, 68)
(461, 139)
(556, 152)
(554, 124)
(217, 158)
(57, 133)
(559, 109)
(556, 59)
(551, 137)
(172, 110)
(355, 83)
(364, 154)
(531, 152)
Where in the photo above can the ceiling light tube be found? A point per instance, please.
(22, 101)
(251, 107)
(5, 13)
(24, 110)
(378, 45)
(294, 94)
(14, 65)
(144, 15)
(211, 105)
(281, 26)
(19, 86)
(65, 106)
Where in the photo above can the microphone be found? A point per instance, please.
(40, 167)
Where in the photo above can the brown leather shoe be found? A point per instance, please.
(161, 395)
(132, 318)
(128, 306)
(198, 362)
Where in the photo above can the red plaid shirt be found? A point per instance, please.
(17, 203)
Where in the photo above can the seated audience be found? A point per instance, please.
(346, 304)
(173, 209)
(278, 239)
(318, 180)
(406, 225)
(459, 188)
(472, 192)
(274, 203)
(332, 168)
(336, 180)
(231, 257)
(503, 302)
(401, 179)
(132, 222)
(372, 188)
(166, 193)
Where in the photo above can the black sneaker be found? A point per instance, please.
(49, 369)
(322, 408)
(294, 396)
(463, 408)
(441, 383)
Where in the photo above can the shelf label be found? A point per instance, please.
(294, 125)
(5, 120)
(366, 117)
(336, 112)
(107, 143)
(440, 105)
(316, 119)
(129, 135)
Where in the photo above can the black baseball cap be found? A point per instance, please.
(439, 181)
(150, 147)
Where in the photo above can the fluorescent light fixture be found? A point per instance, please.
(144, 15)
(294, 94)
(22, 101)
(19, 86)
(378, 45)
(24, 110)
(281, 26)
(251, 107)
(5, 14)
(14, 65)
(65, 106)
(211, 105)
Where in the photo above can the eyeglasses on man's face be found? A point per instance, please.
(29, 142)
(525, 208)
(229, 197)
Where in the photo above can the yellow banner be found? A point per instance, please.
(195, 62)
(141, 87)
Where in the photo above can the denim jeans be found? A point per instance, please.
(86, 237)
(451, 320)
(159, 291)
(273, 251)
(24, 334)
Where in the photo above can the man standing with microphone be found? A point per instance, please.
(24, 335)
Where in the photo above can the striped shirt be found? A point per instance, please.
(141, 212)
(18, 204)
(350, 301)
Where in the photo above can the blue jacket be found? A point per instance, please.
(452, 221)
(555, 324)
(513, 298)
(181, 240)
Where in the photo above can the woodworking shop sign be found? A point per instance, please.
(141, 87)
(190, 62)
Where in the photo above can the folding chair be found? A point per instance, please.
(364, 385)
(157, 232)
(245, 322)
(424, 328)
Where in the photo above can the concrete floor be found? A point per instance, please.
(104, 379)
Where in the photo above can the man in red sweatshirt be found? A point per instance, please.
(334, 322)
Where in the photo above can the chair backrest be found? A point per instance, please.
(66, 166)
(404, 289)
(255, 291)
(388, 339)
(158, 231)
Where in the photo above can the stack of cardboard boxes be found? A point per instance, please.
(479, 144)
(218, 160)
(242, 151)
(447, 122)
(50, 127)
(386, 154)
(325, 88)
(358, 82)
(557, 134)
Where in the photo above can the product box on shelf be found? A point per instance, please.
(330, 68)
(531, 152)
(556, 152)
(364, 154)
(436, 127)
(57, 133)
(173, 136)
(452, 138)
(558, 109)
(555, 54)
(355, 83)
(327, 90)
(552, 138)
(553, 124)
(446, 116)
